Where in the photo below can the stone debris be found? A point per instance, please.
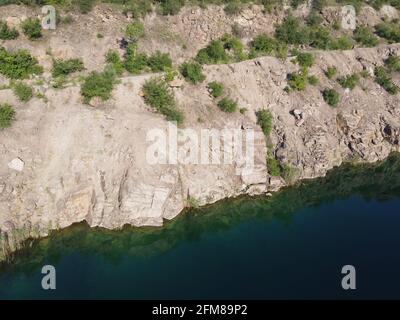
(16, 164)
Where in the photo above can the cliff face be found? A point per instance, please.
(63, 162)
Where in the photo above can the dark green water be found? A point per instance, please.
(292, 245)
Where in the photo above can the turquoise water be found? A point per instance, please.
(292, 245)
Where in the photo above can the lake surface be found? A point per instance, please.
(291, 245)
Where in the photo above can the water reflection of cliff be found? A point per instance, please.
(380, 181)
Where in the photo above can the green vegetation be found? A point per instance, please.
(330, 72)
(331, 97)
(393, 63)
(305, 60)
(264, 120)
(192, 71)
(171, 7)
(159, 61)
(227, 105)
(233, 7)
(313, 80)
(273, 166)
(291, 31)
(298, 80)
(85, 6)
(134, 31)
(66, 67)
(32, 28)
(213, 53)
(288, 173)
(365, 36)
(23, 91)
(349, 81)
(113, 58)
(98, 84)
(6, 33)
(137, 62)
(158, 95)
(389, 30)
(264, 44)
(18, 65)
(216, 88)
(384, 79)
(6, 115)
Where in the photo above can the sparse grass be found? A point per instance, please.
(227, 105)
(389, 30)
(158, 95)
(66, 67)
(134, 31)
(6, 115)
(349, 81)
(113, 58)
(23, 91)
(273, 166)
(264, 120)
(330, 72)
(331, 97)
(216, 89)
(192, 72)
(288, 173)
(7, 33)
(365, 37)
(384, 79)
(32, 28)
(18, 65)
(393, 63)
(313, 80)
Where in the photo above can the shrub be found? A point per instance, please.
(320, 37)
(98, 84)
(383, 78)
(388, 30)
(291, 31)
(349, 81)
(288, 173)
(330, 72)
(157, 94)
(233, 7)
(6, 33)
(313, 80)
(171, 7)
(32, 28)
(134, 62)
(305, 59)
(213, 53)
(364, 36)
(264, 120)
(23, 91)
(66, 67)
(331, 97)
(264, 44)
(342, 43)
(298, 80)
(18, 65)
(113, 58)
(393, 63)
(6, 115)
(134, 31)
(227, 105)
(192, 72)
(216, 88)
(85, 6)
(234, 44)
(273, 166)
(159, 61)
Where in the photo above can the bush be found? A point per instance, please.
(264, 120)
(6, 33)
(342, 43)
(227, 105)
(66, 67)
(134, 31)
(134, 62)
(85, 6)
(159, 61)
(113, 58)
(388, 30)
(330, 72)
(305, 59)
(23, 91)
(216, 88)
(233, 7)
(383, 78)
(273, 166)
(331, 97)
(98, 84)
(298, 81)
(291, 31)
(320, 37)
(6, 115)
(235, 45)
(264, 44)
(393, 63)
(32, 28)
(364, 36)
(157, 94)
(192, 72)
(313, 80)
(18, 65)
(213, 53)
(171, 7)
(349, 81)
